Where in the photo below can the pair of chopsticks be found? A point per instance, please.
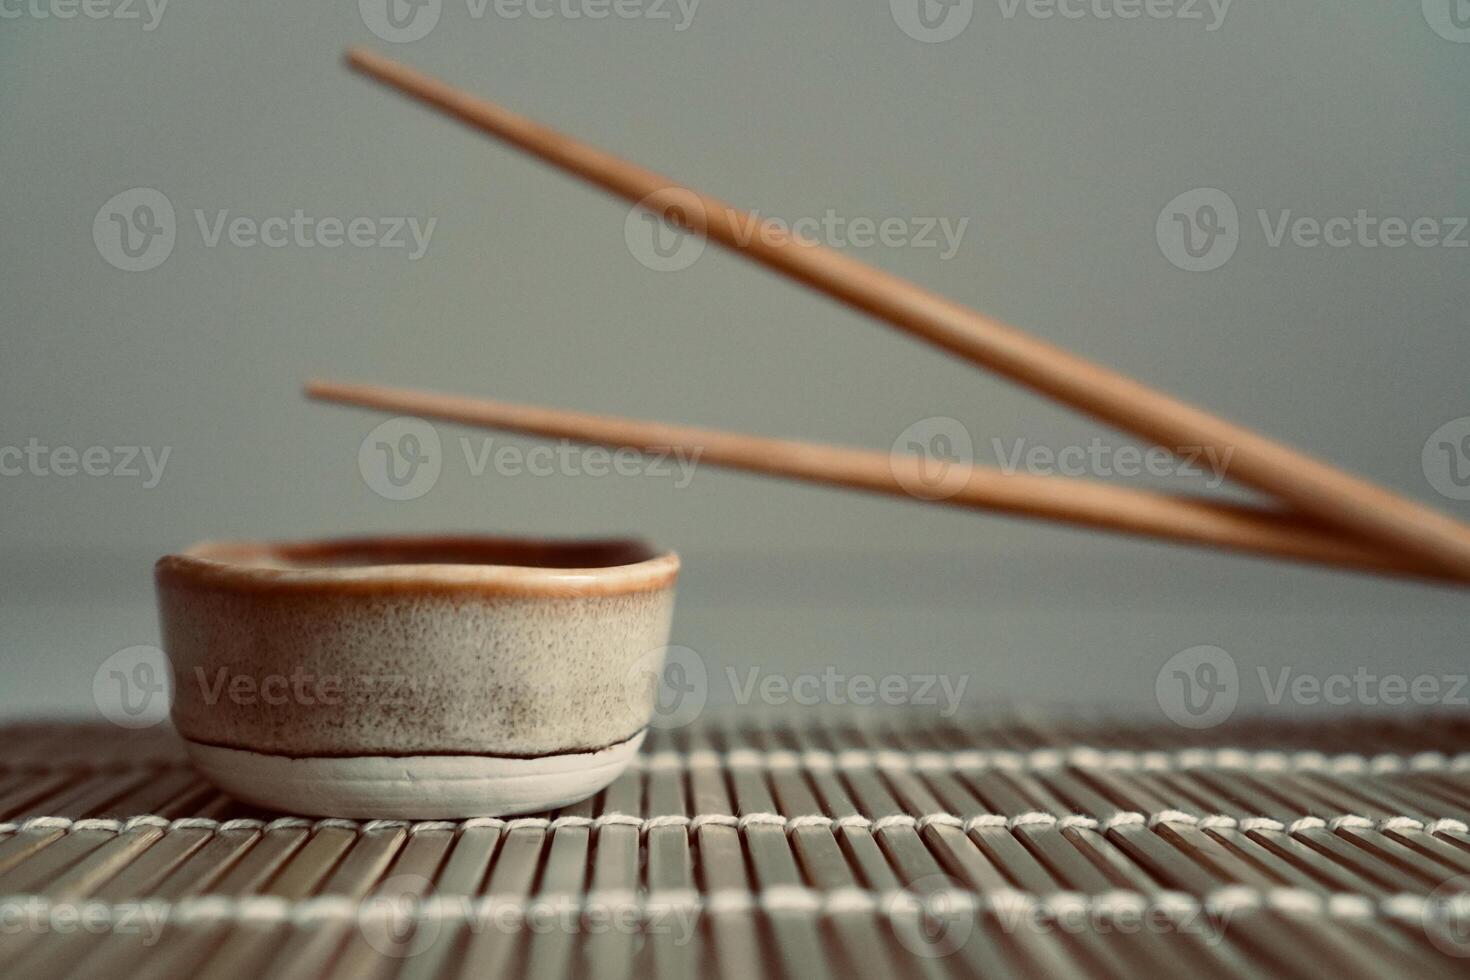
(1330, 518)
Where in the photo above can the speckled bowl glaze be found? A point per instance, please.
(414, 678)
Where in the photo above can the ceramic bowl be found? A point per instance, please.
(414, 678)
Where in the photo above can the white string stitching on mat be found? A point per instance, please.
(744, 822)
(1045, 760)
(1075, 909)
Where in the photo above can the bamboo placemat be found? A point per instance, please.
(807, 844)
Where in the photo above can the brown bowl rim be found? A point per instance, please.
(227, 564)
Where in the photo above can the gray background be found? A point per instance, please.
(1061, 140)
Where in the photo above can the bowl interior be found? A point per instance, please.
(369, 552)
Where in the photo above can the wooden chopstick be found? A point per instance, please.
(1084, 503)
(1311, 486)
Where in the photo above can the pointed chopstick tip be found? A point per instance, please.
(323, 390)
(359, 58)
(380, 66)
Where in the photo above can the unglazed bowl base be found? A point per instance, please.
(417, 787)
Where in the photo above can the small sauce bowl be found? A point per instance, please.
(415, 677)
